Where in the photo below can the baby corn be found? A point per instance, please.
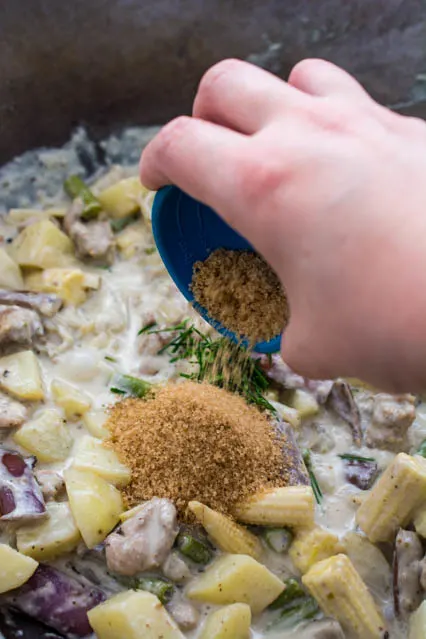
(225, 533)
(342, 594)
(397, 494)
(292, 506)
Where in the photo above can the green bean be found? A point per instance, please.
(128, 385)
(75, 187)
(162, 589)
(121, 223)
(194, 549)
(293, 591)
(278, 539)
(295, 613)
(422, 449)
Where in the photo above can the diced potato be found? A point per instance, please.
(305, 404)
(95, 421)
(122, 198)
(237, 579)
(51, 537)
(312, 545)
(21, 377)
(418, 623)
(73, 401)
(67, 283)
(92, 454)
(127, 514)
(96, 505)
(10, 273)
(133, 615)
(230, 622)
(370, 563)
(23, 216)
(42, 245)
(131, 239)
(15, 569)
(46, 436)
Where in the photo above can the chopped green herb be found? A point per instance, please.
(121, 223)
(307, 458)
(147, 328)
(215, 360)
(358, 458)
(75, 187)
(110, 359)
(128, 385)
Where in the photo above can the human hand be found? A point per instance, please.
(330, 188)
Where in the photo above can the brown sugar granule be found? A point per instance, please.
(196, 441)
(242, 292)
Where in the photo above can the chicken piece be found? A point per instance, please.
(12, 414)
(93, 240)
(45, 304)
(18, 328)
(185, 615)
(391, 418)
(51, 483)
(407, 572)
(143, 541)
(324, 629)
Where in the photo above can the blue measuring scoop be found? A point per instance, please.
(187, 231)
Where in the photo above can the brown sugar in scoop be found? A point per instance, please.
(241, 291)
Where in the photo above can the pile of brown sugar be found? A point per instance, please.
(196, 441)
(242, 292)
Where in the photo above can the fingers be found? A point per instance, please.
(241, 96)
(322, 78)
(199, 157)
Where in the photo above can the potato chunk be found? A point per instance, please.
(21, 377)
(68, 283)
(46, 436)
(237, 579)
(51, 537)
(10, 273)
(122, 198)
(91, 454)
(418, 623)
(96, 505)
(230, 622)
(73, 401)
(95, 421)
(15, 569)
(133, 615)
(42, 245)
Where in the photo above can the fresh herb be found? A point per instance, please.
(307, 458)
(358, 458)
(110, 359)
(121, 223)
(147, 328)
(128, 385)
(422, 449)
(75, 187)
(218, 361)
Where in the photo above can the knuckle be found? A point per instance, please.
(172, 133)
(304, 70)
(214, 77)
(258, 178)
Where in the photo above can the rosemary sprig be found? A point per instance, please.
(218, 362)
(147, 328)
(307, 458)
(356, 458)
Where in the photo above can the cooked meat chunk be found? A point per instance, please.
(185, 615)
(93, 240)
(12, 414)
(18, 327)
(423, 573)
(51, 483)
(391, 418)
(45, 304)
(407, 571)
(297, 473)
(143, 541)
(324, 629)
(340, 399)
